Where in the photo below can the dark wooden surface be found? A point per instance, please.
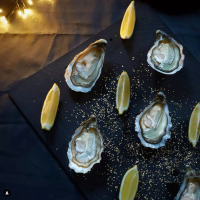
(122, 146)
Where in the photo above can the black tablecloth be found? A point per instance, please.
(27, 168)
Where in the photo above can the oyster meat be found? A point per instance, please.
(166, 55)
(85, 69)
(190, 188)
(85, 147)
(154, 123)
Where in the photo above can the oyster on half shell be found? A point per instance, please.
(153, 124)
(190, 188)
(166, 55)
(85, 147)
(85, 69)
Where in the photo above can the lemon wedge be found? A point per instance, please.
(194, 125)
(123, 93)
(50, 107)
(128, 22)
(129, 184)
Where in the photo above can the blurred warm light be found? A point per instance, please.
(30, 2)
(27, 11)
(4, 20)
(20, 13)
(45, 1)
(1, 10)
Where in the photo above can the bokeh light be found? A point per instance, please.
(20, 13)
(4, 20)
(30, 2)
(27, 11)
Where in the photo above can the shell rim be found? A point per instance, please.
(77, 168)
(164, 137)
(182, 187)
(68, 70)
(181, 60)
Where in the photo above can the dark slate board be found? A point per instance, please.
(162, 170)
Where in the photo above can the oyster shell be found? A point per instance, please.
(190, 188)
(166, 55)
(154, 123)
(85, 147)
(85, 69)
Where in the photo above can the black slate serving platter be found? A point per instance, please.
(161, 171)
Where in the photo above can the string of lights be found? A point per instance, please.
(19, 6)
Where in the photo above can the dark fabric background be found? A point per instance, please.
(27, 168)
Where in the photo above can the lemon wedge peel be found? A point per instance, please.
(128, 189)
(128, 22)
(123, 93)
(50, 107)
(194, 126)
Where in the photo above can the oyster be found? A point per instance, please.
(85, 69)
(166, 55)
(154, 123)
(85, 147)
(190, 188)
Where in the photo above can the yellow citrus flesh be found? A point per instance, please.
(123, 93)
(129, 184)
(128, 22)
(50, 107)
(194, 125)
